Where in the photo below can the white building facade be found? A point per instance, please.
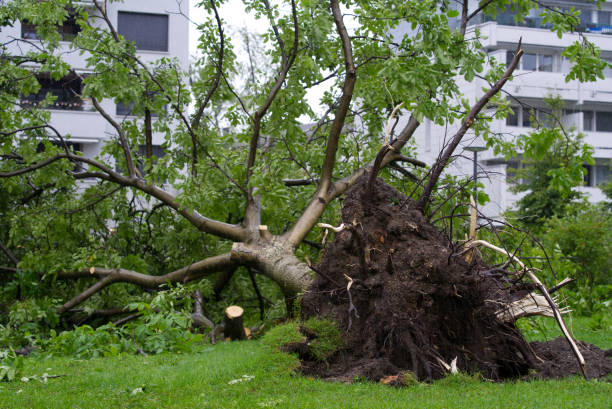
(541, 74)
(158, 29)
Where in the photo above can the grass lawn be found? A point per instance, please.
(203, 379)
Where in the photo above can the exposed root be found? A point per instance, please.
(555, 310)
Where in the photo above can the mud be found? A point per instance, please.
(416, 301)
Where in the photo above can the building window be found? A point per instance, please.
(513, 118)
(588, 120)
(597, 175)
(67, 93)
(532, 117)
(68, 30)
(532, 61)
(545, 62)
(603, 17)
(124, 109)
(603, 121)
(148, 31)
(602, 173)
(529, 62)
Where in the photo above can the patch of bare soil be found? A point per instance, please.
(415, 303)
(556, 359)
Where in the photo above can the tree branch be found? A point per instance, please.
(441, 163)
(345, 101)
(9, 253)
(287, 62)
(124, 142)
(198, 116)
(317, 204)
(109, 276)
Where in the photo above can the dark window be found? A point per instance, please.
(68, 30)
(530, 61)
(509, 57)
(511, 172)
(588, 175)
(512, 119)
(587, 120)
(123, 109)
(66, 91)
(586, 17)
(148, 31)
(603, 173)
(128, 109)
(603, 121)
(527, 113)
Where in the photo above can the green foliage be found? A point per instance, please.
(553, 159)
(10, 365)
(159, 328)
(27, 321)
(585, 238)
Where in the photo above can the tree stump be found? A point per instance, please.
(234, 328)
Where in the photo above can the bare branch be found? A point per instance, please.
(102, 11)
(33, 167)
(109, 276)
(404, 172)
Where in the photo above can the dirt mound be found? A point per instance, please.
(415, 303)
(557, 360)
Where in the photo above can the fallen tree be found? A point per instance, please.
(228, 182)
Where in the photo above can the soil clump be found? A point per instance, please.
(416, 301)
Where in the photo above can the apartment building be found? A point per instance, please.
(588, 106)
(157, 29)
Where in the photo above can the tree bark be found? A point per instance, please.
(275, 259)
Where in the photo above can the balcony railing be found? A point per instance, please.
(586, 24)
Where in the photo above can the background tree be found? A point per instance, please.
(552, 168)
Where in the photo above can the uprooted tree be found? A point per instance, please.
(242, 183)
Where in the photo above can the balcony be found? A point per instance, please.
(591, 19)
(66, 93)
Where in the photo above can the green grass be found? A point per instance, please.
(202, 379)
(595, 330)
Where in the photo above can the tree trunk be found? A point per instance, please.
(234, 329)
(275, 259)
